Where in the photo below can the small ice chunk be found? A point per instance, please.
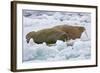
(44, 43)
(85, 53)
(83, 48)
(70, 42)
(28, 54)
(44, 52)
(68, 53)
(60, 45)
(81, 44)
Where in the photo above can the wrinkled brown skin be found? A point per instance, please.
(73, 32)
(51, 35)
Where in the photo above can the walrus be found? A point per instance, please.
(51, 35)
(73, 32)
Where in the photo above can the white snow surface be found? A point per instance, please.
(37, 20)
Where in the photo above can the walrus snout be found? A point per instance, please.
(27, 41)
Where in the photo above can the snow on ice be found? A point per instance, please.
(79, 48)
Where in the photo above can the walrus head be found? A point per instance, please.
(82, 29)
(29, 36)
